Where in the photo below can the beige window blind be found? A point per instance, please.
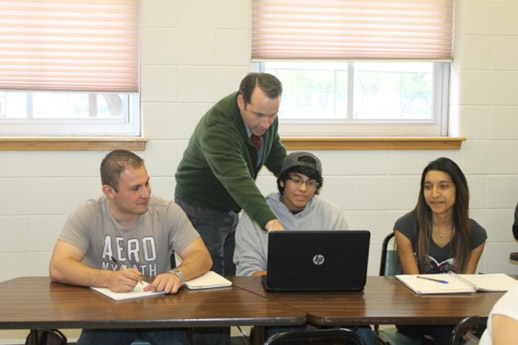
(69, 45)
(348, 29)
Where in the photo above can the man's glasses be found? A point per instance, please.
(298, 182)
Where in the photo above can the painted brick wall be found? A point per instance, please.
(195, 52)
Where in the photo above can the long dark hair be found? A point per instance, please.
(461, 223)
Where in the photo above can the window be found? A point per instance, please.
(68, 114)
(69, 68)
(370, 67)
(361, 98)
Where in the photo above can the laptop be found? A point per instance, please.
(312, 260)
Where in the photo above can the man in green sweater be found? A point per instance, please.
(216, 177)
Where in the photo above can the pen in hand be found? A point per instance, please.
(121, 266)
(434, 280)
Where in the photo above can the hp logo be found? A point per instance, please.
(318, 259)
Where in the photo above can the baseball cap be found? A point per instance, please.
(293, 160)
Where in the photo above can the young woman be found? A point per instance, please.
(438, 236)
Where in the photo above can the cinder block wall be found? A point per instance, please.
(195, 52)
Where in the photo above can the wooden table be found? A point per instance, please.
(383, 301)
(35, 302)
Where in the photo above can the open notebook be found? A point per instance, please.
(206, 281)
(456, 283)
(137, 292)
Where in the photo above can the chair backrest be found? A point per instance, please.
(389, 264)
(335, 336)
(515, 223)
(470, 328)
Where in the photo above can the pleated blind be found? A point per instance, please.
(349, 29)
(69, 45)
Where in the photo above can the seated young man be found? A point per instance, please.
(298, 207)
(127, 224)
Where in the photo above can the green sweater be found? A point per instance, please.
(218, 168)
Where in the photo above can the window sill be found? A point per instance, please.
(291, 143)
(72, 144)
(372, 143)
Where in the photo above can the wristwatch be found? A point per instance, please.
(179, 274)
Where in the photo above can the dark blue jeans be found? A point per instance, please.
(217, 229)
(159, 336)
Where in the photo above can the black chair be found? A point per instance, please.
(514, 256)
(469, 330)
(335, 336)
(515, 223)
(390, 266)
(389, 263)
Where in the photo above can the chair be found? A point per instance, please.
(389, 266)
(335, 336)
(514, 256)
(469, 330)
(389, 263)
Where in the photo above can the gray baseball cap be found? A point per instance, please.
(293, 160)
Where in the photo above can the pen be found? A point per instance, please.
(434, 280)
(121, 266)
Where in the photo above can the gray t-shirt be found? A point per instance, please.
(442, 260)
(147, 245)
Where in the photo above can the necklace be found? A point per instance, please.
(440, 233)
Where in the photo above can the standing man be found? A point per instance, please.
(216, 177)
(139, 231)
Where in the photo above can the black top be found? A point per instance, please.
(442, 260)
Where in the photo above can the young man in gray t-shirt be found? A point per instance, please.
(127, 225)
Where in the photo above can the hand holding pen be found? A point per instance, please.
(122, 267)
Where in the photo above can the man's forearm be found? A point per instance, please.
(196, 264)
(72, 272)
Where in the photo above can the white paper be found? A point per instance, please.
(137, 292)
(489, 282)
(457, 283)
(208, 280)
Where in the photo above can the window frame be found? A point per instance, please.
(369, 128)
(128, 126)
(95, 51)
